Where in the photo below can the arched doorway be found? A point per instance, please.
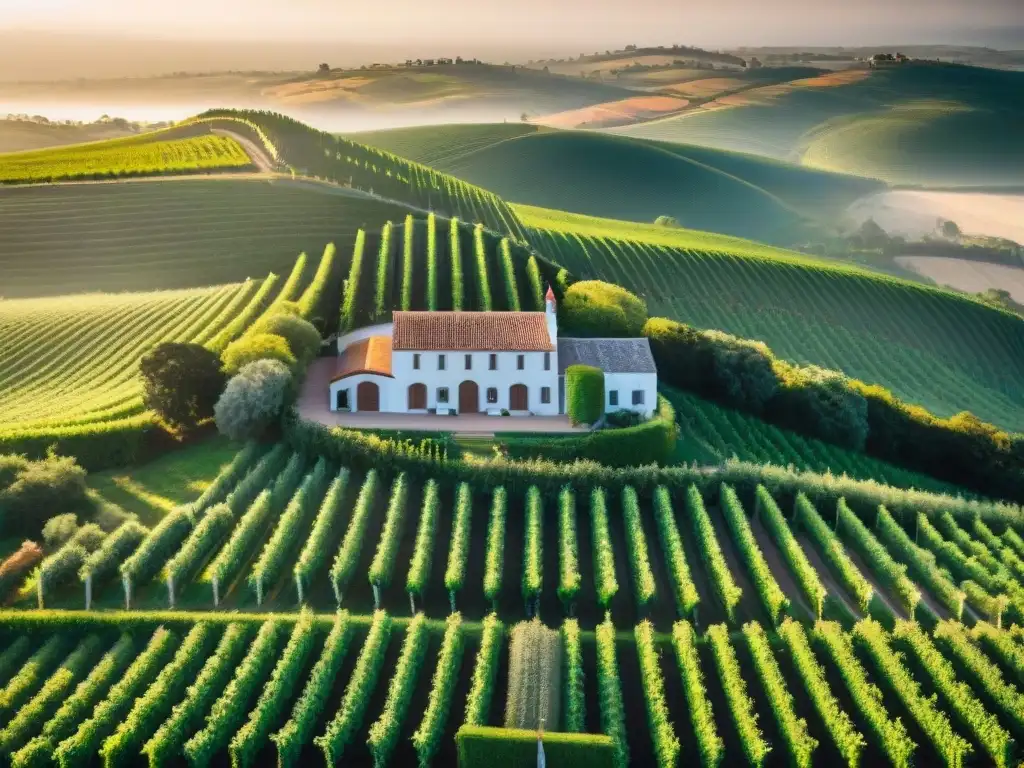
(518, 398)
(469, 397)
(367, 396)
(417, 397)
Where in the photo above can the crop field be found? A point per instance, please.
(930, 347)
(200, 154)
(440, 264)
(160, 234)
(711, 434)
(602, 175)
(326, 156)
(72, 360)
(904, 125)
(364, 616)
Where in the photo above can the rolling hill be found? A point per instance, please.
(931, 347)
(934, 124)
(618, 177)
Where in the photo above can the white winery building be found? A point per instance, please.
(482, 362)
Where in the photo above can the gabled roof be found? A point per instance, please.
(371, 355)
(471, 332)
(610, 355)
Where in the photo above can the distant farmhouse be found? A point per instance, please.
(881, 60)
(483, 362)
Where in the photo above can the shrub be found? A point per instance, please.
(820, 402)
(252, 399)
(584, 393)
(11, 466)
(302, 337)
(257, 346)
(595, 308)
(51, 486)
(59, 528)
(181, 382)
(481, 746)
(667, 221)
(742, 370)
(737, 372)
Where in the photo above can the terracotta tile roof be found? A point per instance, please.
(472, 331)
(372, 355)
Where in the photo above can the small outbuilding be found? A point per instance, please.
(630, 375)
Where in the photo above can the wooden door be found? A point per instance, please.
(367, 396)
(417, 397)
(518, 398)
(469, 397)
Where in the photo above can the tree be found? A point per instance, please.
(950, 230)
(181, 382)
(253, 399)
(872, 235)
(524, 117)
(257, 346)
(324, 68)
(667, 221)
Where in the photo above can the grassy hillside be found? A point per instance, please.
(931, 347)
(74, 360)
(145, 235)
(441, 144)
(307, 152)
(916, 124)
(26, 135)
(616, 177)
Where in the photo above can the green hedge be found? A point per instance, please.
(482, 747)
(96, 446)
(962, 450)
(584, 394)
(652, 442)
(596, 308)
(363, 452)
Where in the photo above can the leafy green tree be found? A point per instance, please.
(181, 382)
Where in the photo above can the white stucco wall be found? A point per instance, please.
(383, 329)
(507, 374)
(625, 384)
(385, 386)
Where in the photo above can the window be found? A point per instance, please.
(469, 362)
(547, 361)
(492, 395)
(638, 397)
(440, 362)
(493, 362)
(545, 395)
(442, 394)
(342, 403)
(613, 397)
(416, 361)
(520, 362)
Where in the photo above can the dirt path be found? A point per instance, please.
(780, 569)
(835, 590)
(256, 153)
(886, 599)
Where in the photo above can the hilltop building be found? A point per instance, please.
(483, 362)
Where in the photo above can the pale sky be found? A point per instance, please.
(597, 23)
